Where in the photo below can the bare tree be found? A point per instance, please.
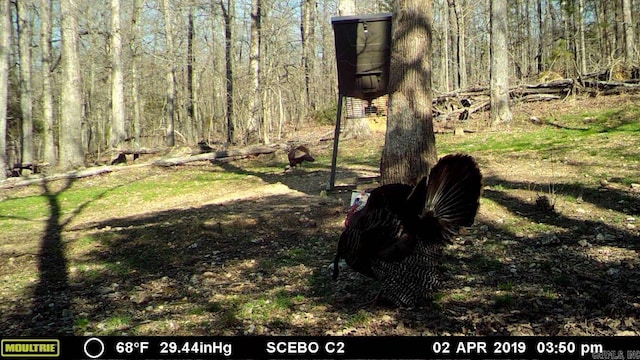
(346, 7)
(191, 98)
(135, 96)
(256, 116)
(228, 13)
(409, 149)
(500, 111)
(539, 58)
(5, 49)
(26, 92)
(307, 17)
(454, 47)
(171, 74)
(629, 48)
(71, 150)
(583, 46)
(460, 43)
(118, 130)
(356, 127)
(47, 95)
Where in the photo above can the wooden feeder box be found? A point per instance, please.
(363, 53)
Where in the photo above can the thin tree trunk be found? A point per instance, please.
(619, 27)
(171, 70)
(500, 111)
(281, 116)
(540, 38)
(629, 48)
(583, 46)
(71, 150)
(445, 55)
(307, 9)
(118, 130)
(228, 15)
(47, 95)
(454, 47)
(608, 37)
(26, 93)
(135, 98)
(528, 42)
(5, 49)
(409, 151)
(327, 91)
(256, 116)
(462, 45)
(353, 127)
(190, 74)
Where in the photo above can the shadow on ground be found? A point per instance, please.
(259, 266)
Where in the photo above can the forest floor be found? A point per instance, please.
(245, 248)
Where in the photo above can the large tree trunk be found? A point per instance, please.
(500, 111)
(346, 7)
(71, 150)
(409, 150)
(171, 74)
(47, 95)
(5, 49)
(26, 96)
(118, 130)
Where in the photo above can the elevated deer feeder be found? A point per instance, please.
(363, 53)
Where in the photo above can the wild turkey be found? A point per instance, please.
(204, 147)
(298, 154)
(398, 233)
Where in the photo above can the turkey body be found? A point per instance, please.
(297, 155)
(398, 236)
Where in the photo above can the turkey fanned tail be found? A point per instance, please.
(452, 197)
(399, 234)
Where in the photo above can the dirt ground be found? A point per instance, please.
(254, 259)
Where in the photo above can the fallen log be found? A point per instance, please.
(143, 151)
(613, 87)
(539, 97)
(18, 182)
(217, 155)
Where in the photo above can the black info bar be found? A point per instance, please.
(283, 347)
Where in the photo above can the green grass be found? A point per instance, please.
(547, 142)
(96, 270)
(358, 319)
(503, 301)
(81, 324)
(79, 198)
(608, 127)
(25, 208)
(508, 286)
(115, 323)
(266, 308)
(106, 244)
